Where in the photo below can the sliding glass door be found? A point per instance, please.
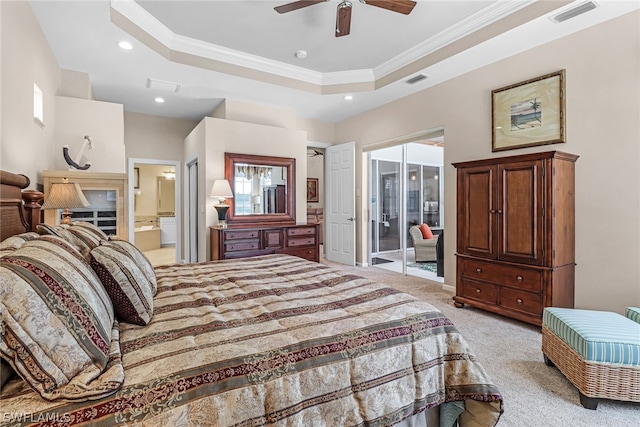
(405, 189)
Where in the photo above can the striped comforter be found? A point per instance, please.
(278, 340)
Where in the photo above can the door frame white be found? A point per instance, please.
(328, 214)
(178, 196)
(188, 244)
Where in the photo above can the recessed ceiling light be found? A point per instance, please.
(125, 45)
(159, 100)
(301, 54)
(348, 97)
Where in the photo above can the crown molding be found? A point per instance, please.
(176, 43)
(471, 24)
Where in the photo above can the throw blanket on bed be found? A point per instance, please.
(278, 340)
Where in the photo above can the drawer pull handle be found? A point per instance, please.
(478, 270)
(520, 278)
(478, 291)
(519, 301)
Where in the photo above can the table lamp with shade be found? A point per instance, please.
(65, 195)
(221, 190)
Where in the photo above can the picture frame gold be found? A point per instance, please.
(312, 189)
(529, 113)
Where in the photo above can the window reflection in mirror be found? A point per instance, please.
(263, 188)
(259, 189)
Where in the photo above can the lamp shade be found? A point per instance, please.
(221, 190)
(64, 195)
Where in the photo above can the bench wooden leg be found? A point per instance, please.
(588, 402)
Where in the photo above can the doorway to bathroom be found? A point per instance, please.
(154, 209)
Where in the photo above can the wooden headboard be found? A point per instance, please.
(19, 210)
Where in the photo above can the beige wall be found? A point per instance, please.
(603, 110)
(26, 147)
(153, 137)
(103, 121)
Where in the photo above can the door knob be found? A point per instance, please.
(351, 219)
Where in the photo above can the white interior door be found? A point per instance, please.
(192, 208)
(340, 204)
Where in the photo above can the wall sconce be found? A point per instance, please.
(221, 190)
(65, 195)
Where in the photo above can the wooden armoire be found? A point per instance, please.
(516, 234)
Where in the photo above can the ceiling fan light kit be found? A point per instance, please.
(343, 14)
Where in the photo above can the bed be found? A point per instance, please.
(268, 340)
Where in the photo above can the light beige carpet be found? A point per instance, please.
(534, 394)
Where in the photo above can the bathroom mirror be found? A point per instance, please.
(166, 196)
(263, 190)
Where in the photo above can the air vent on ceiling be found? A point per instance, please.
(163, 85)
(573, 12)
(416, 79)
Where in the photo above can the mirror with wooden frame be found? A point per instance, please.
(263, 190)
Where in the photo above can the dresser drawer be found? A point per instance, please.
(307, 253)
(502, 274)
(301, 241)
(481, 291)
(301, 231)
(242, 246)
(241, 234)
(526, 302)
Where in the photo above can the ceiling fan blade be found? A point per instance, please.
(343, 19)
(401, 6)
(289, 7)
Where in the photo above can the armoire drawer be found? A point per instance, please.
(504, 275)
(481, 291)
(526, 302)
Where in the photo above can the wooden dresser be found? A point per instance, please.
(298, 240)
(516, 234)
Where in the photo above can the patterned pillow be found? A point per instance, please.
(85, 237)
(129, 250)
(6, 372)
(91, 228)
(57, 321)
(10, 244)
(63, 231)
(130, 291)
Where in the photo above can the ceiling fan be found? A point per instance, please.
(343, 16)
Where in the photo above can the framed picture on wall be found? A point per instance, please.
(312, 189)
(136, 178)
(529, 113)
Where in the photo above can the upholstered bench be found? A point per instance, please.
(598, 352)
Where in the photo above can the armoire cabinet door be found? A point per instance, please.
(520, 213)
(477, 204)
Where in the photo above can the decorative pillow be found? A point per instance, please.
(10, 244)
(91, 228)
(64, 231)
(125, 248)
(6, 372)
(130, 290)
(87, 237)
(426, 231)
(57, 321)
